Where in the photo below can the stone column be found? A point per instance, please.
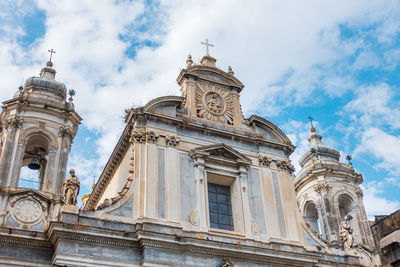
(151, 175)
(245, 200)
(172, 179)
(9, 151)
(237, 113)
(17, 164)
(199, 179)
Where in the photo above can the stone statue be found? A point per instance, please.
(227, 263)
(346, 233)
(71, 189)
(214, 105)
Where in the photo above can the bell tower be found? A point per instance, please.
(329, 194)
(37, 127)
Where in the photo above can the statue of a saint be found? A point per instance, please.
(214, 105)
(346, 233)
(71, 189)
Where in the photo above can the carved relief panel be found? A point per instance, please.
(26, 211)
(214, 103)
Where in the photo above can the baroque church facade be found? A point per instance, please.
(191, 182)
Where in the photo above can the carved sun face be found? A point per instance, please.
(214, 104)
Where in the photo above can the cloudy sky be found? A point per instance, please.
(336, 60)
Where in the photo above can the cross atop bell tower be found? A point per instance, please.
(37, 127)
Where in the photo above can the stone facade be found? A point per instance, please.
(386, 232)
(154, 203)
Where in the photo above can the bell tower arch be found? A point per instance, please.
(37, 127)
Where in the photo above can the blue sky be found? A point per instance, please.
(336, 60)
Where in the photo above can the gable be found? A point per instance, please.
(222, 151)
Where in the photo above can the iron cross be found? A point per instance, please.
(311, 119)
(51, 53)
(207, 44)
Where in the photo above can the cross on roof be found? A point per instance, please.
(51, 53)
(207, 44)
(311, 120)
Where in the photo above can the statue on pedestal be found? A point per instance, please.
(71, 189)
(346, 233)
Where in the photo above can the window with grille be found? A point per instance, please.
(219, 202)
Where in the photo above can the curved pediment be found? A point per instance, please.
(269, 130)
(165, 105)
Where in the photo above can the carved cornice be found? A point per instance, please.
(27, 241)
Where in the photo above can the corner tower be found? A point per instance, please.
(328, 190)
(37, 127)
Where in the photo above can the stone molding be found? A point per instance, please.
(108, 202)
(110, 168)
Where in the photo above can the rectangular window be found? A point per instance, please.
(219, 202)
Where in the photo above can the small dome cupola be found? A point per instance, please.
(45, 86)
(318, 150)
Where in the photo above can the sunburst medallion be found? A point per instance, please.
(214, 104)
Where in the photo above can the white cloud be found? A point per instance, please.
(375, 204)
(281, 51)
(373, 106)
(385, 148)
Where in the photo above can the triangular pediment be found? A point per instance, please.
(222, 151)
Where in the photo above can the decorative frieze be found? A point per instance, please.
(172, 141)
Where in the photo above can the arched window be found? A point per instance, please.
(34, 162)
(345, 204)
(311, 216)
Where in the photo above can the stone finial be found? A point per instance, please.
(189, 61)
(71, 93)
(71, 189)
(230, 71)
(208, 61)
